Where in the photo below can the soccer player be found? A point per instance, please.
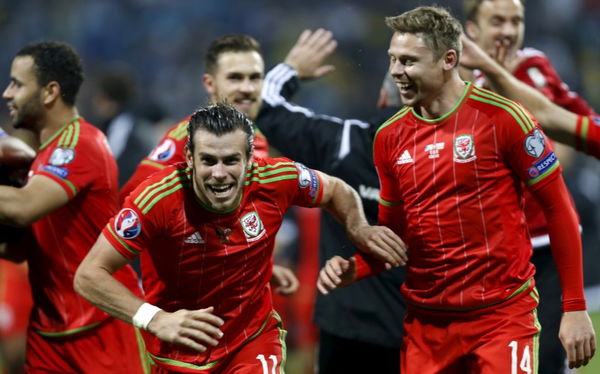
(580, 132)
(205, 232)
(362, 324)
(70, 194)
(489, 22)
(234, 70)
(453, 165)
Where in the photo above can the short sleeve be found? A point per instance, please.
(526, 148)
(77, 166)
(308, 189)
(129, 231)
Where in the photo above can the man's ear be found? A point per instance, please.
(450, 59)
(209, 84)
(189, 158)
(50, 93)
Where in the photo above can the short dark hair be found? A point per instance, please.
(439, 29)
(471, 8)
(228, 43)
(58, 62)
(220, 119)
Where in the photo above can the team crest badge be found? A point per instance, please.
(62, 156)
(128, 224)
(252, 226)
(464, 148)
(164, 151)
(535, 144)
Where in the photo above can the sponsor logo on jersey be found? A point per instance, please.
(164, 151)
(464, 148)
(62, 156)
(405, 158)
(195, 238)
(434, 149)
(535, 144)
(252, 226)
(56, 170)
(595, 119)
(128, 224)
(542, 165)
(307, 178)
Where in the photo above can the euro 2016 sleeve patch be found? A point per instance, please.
(62, 156)
(128, 224)
(535, 144)
(164, 151)
(307, 178)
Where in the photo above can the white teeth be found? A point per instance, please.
(219, 189)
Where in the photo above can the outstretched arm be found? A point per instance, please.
(94, 281)
(557, 122)
(344, 204)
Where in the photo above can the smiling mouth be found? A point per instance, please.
(220, 190)
(404, 86)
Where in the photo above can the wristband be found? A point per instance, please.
(141, 319)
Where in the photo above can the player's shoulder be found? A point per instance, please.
(163, 187)
(501, 110)
(266, 173)
(395, 119)
(179, 130)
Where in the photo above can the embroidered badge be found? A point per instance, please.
(252, 226)
(464, 148)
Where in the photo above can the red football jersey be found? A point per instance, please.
(459, 180)
(171, 150)
(193, 257)
(78, 158)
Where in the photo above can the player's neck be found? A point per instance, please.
(445, 99)
(55, 120)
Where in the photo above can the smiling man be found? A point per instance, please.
(70, 193)
(453, 165)
(205, 232)
(234, 71)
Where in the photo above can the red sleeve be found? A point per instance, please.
(538, 72)
(525, 147)
(130, 230)
(587, 135)
(367, 266)
(563, 228)
(309, 187)
(77, 166)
